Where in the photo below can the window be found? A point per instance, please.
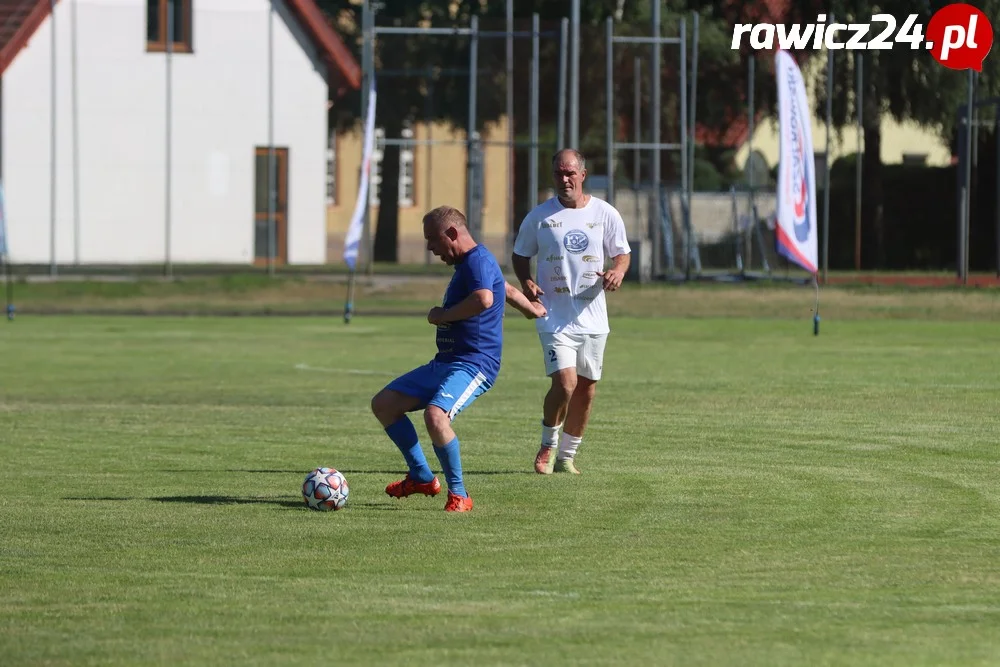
(820, 168)
(375, 174)
(406, 195)
(331, 169)
(270, 232)
(169, 18)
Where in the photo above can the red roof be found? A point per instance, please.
(334, 51)
(19, 19)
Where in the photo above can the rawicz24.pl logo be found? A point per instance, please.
(959, 36)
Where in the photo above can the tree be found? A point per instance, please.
(902, 83)
(721, 78)
(417, 74)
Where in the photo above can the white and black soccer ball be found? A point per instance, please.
(325, 490)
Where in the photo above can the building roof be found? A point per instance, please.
(19, 19)
(333, 49)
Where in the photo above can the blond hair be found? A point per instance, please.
(442, 216)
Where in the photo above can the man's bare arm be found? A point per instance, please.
(530, 309)
(522, 269)
(614, 276)
(468, 307)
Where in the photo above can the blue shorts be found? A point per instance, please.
(450, 386)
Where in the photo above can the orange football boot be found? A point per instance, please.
(407, 487)
(457, 503)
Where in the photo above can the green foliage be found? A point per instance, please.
(899, 82)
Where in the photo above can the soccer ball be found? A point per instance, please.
(325, 490)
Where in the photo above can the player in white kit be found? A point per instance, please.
(574, 234)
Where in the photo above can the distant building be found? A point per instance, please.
(115, 194)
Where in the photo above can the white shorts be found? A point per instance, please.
(585, 352)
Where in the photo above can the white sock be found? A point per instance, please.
(568, 444)
(550, 435)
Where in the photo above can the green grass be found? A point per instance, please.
(255, 294)
(751, 494)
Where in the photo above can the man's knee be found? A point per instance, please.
(565, 381)
(586, 388)
(386, 407)
(436, 419)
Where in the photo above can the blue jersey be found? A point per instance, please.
(477, 340)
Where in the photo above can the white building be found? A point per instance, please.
(137, 155)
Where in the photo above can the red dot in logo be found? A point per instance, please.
(960, 36)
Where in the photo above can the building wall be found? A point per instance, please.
(220, 111)
(439, 179)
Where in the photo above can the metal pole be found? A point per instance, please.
(736, 228)
(960, 187)
(429, 167)
(5, 256)
(509, 215)
(655, 74)
(859, 103)
(826, 176)
(609, 99)
(533, 114)
(685, 183)
(53, 270)
(637, 133)
(561, 120)
(751, 112)
(368, 57)
(76, 139)
(574, 78)
(168, 269)
(967, 189)
(996, 190)
(693, 122)
(470, 133)
(271, 167)
(694, 95)
(974, 120)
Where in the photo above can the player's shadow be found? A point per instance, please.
(205, 500)
(474, 473)
(229, 500)
(354, 471)
(234, 500)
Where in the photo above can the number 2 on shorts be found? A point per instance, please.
(552, 354)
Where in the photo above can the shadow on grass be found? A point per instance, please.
(233, 500)
(356, 471)
(205, 500)
(229, 500)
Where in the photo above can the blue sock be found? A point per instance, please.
(404, 435)
(451, 463)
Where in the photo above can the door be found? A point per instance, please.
(270, 233)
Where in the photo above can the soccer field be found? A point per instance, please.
(751, 494)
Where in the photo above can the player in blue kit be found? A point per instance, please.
(469, 341)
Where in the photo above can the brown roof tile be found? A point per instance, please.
(19, 19)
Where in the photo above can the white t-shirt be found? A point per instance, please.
(572, 245)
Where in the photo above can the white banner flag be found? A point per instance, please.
(796, 230)
(353, 238)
